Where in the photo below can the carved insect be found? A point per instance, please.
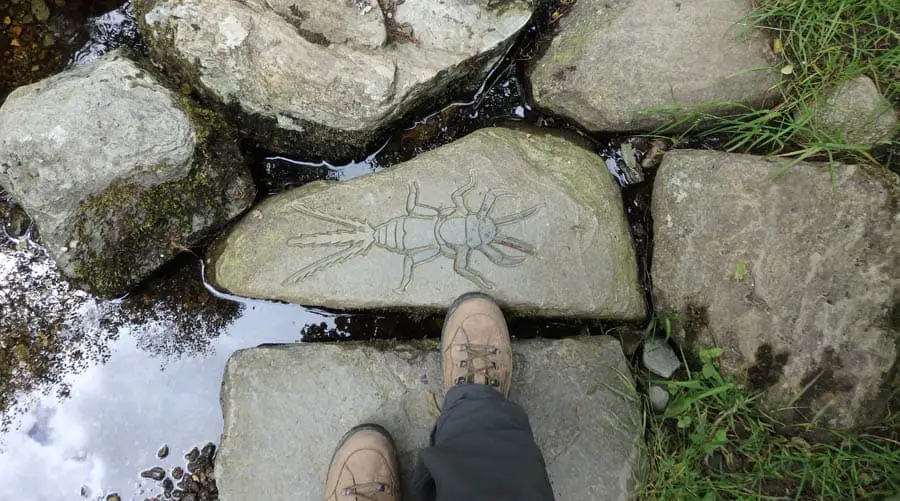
(423, 234)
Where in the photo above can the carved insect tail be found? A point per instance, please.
(356, 239)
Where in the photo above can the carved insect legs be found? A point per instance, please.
(458, 231)
(422, 234)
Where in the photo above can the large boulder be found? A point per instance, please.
(533, 218)
(329, 79)
(626, 65)
(287, 407)
(856, 113)
(117, 172)
(792, 269)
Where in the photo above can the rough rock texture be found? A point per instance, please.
(285, 409)
(613, 61)
(116, 170)
(542, 228)
(857, 113)
(795, 275)
(329, 78)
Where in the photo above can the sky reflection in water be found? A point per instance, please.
(155, 387)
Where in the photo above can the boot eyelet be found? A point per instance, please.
(463, 347)
(495, 383)
(460, 380)
(463, 363)
(493, 351)
(348, 491)
(493, 365)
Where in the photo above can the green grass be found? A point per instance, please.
(713, 442)
(824, 42)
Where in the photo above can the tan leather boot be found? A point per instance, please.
(364, 467)
(475, 344)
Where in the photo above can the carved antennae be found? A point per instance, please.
(514, 243)
(350, 223)
(491, 198)
(338, 257)
(518, 216)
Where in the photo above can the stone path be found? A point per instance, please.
(286, 408)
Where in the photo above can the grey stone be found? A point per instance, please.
(856, 113)
(660, 358)
(286, 408)
(116, 172)
(329, 79)
(555, 242)
(793, 270)
(40, 10)
(659, 398)
(626, 65)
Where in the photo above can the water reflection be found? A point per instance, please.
(119, 413)
(90, 389)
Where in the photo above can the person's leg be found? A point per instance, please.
(482, 447)
(364, 466)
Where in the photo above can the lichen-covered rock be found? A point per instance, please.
(532, 217)
(856, 113)
(329, 79)
(794, 270)
(116, 171)
(626, 65)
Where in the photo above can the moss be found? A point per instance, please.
(151, 225)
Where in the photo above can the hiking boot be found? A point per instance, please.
(364, 467)
(475, 344)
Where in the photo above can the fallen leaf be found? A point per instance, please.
(787, 69)
(15, 43)
(777, 46)
(7, 20)
(15, 31)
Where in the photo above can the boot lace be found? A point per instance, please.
(474, 353)
(368, 490)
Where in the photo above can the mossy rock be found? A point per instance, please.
(153, 174)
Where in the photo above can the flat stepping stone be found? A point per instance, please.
(792, 269)
(638, 64)
(287, 407)
(532, 218)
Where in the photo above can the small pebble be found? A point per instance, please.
(155, 473)
(113, 497)
(192, 455)
(177, 472)
(659, 398)
(163, 452)
(660, 358)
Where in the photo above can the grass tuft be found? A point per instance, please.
(714, 442)
(820, 44)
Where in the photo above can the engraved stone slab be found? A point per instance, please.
(285, 409)
(532, 218)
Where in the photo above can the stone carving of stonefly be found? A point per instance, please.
(423, 234)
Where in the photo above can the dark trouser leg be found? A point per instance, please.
(482, 450)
